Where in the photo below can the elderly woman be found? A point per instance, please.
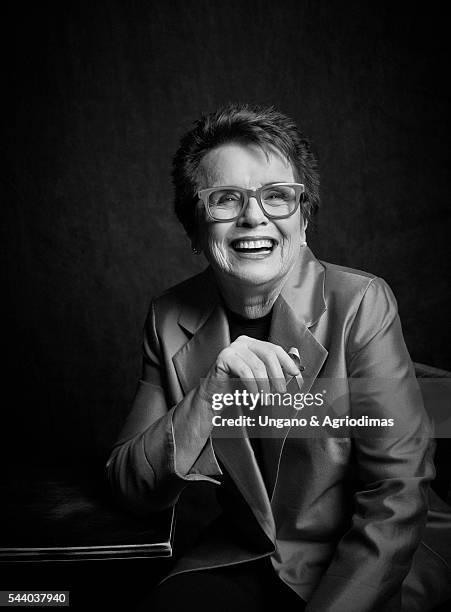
(332, 523)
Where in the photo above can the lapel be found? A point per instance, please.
(289, 331)
(300, 304)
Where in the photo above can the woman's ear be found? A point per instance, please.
(304, 227)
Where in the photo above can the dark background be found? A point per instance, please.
(96, 97)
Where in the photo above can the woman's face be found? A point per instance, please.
(250, 167)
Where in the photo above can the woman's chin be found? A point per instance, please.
(255, 273)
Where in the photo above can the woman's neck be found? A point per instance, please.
(247, 300)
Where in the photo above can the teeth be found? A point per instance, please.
(253, 244)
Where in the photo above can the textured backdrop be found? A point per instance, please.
(97, 95)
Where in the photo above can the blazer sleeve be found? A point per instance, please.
(394, 469)
(161, 448)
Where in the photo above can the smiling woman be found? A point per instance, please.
(331, 524)
(252, 249)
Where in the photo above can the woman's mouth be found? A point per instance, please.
(253, 246)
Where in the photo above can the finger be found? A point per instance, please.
(268, 357)
(241, 346)
(287, 364)
(275, 372)
(257, 366)
(234, 366)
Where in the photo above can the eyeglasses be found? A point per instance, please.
(276, 200)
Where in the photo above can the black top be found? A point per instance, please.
(242, 326)
(258, 329)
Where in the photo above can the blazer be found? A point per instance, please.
(341, 518)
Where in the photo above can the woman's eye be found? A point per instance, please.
(275, 195)
(229, 197)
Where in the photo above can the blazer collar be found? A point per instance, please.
(303, 290)
(300, 304)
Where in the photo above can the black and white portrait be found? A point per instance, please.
(226, 295)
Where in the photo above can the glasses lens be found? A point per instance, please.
(279, 200)
(225, 204)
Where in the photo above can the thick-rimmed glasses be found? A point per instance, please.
(276, 200)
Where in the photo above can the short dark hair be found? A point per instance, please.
(241, 123)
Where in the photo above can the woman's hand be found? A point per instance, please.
(259, 365)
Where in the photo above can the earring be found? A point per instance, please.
(195, 250)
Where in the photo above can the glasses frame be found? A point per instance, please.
(204, 195)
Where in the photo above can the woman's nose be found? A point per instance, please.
(252, 214)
